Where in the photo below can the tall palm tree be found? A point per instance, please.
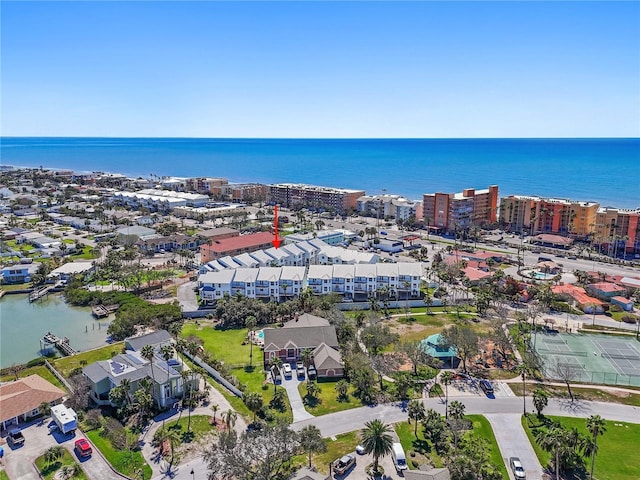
(214, 408)
(251, 323)
(253, 401)
(45, 409)
(311, 441)
(446, 378)
(376, 440)
(53, 454)
(275, 363)
(229, 418)
(456, 410)
(416, 413)
(148, 354)
(596, 427)
(553, 440)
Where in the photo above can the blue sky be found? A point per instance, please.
(321, 69)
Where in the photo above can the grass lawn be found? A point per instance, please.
(16, 286)
(66, 364)
(85, 254)
(41, 370)
(127, 463)
(481, 427)
(199, 426)
(3, 475)
(328, 399)
(614, 461)
(593, 394)
(343, 444)
(47, 471)
(224, 344)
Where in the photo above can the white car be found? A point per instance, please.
(516, 467)
(286, 368)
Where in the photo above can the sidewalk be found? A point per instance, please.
(151, 454)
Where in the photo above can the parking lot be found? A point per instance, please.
(19, 461)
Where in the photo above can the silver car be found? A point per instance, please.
(516, 467)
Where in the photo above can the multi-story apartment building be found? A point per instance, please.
(451, 211)
(536, 214)
(353, 282)
(204, 184)
(389, 206)
(290, 195)
(618, 230)
(235, 246)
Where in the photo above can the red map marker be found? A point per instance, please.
(276, 241)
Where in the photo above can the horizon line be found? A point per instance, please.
(323, 138)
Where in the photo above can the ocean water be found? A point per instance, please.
(602, 170)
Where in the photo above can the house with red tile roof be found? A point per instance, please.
(624, 303)
(475, 275)
(605, 290)
(572, 292)
(235, 246)
(21, 400)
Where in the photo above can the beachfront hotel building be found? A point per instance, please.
(451, 211)
(618, 230)
(292, 195)
(389, 206)
(548, 215)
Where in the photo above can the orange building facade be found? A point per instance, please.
(451, 211)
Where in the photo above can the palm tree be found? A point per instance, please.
(275, 363)
(446, 378)
(456, 410)
(540, 400)
(250, 323)
(148, 354)
(596, 427)
(253, 401)
(214, 407)
(53, 454)
(69, 471)
(306, 355)
(181, 346)
(553, 440)
(312, 389)
(377, 440)
(416, 413)
(229, 418)
(45, 409)
(311, 441)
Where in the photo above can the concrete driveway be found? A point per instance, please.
(295, 400)
(19, 461)
(513, 442)
(187, 297)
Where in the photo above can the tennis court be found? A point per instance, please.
(593, 358)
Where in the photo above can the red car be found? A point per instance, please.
(83, 448)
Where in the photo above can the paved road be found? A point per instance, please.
(187, 297)
(350, 420)
(19, 462)
(513, 442)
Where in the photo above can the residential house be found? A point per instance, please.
(64, 272)
(605, 290)
(291, 281)
(579, 296)
(319, 279)
(21, 400)
(20, 273)
(625, 303)
(305, 332)
(165, 376)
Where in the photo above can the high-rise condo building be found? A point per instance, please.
(459, 211)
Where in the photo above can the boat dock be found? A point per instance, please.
(100, 311)
(38, 293)
(61, 344)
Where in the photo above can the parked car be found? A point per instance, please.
(343, 464)
(300, 369)
(486, 387)
(83, 448)
(516, 468)
(286, 368)
(311, 371)
(360, 450)
(15, 438)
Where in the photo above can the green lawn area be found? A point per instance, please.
(41, 370)
(224, 344)
(328, 399)
(48, 471)
(127, 463)
(85, 254)
(199, 426)
(481, 427)
(615, 458)
(3, 475)
(66, 364)
(16, 286)
(343, 444)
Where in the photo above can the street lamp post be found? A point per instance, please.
(193, 474)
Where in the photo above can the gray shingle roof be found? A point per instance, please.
(154, 338)
(299, 337)
(325, 357)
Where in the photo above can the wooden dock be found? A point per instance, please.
(61, 344)
(38, 293)
(100, 311)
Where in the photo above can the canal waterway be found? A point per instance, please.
(23, 324)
